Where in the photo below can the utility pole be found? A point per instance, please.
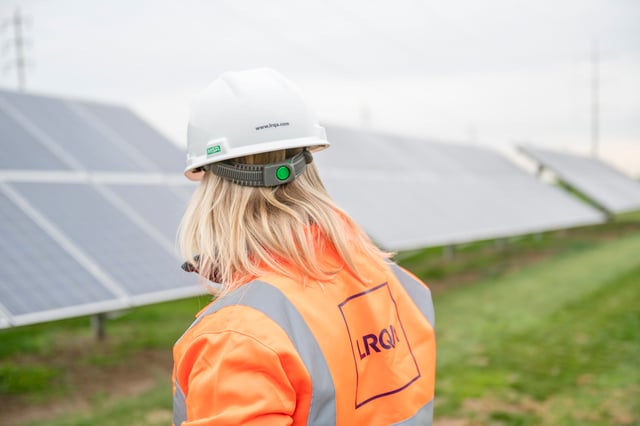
(17, 40)
(595, 101)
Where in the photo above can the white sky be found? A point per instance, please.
(490, 72)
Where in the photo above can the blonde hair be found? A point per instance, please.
(238, 232)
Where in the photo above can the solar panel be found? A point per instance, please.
(90, 202)
(147, 199)
(21, 149)
(84, 144)
(165, 155)
(90, 199)
(81, 142)
(107, 235)
(410, 193)
(38, 276)
(603, 184)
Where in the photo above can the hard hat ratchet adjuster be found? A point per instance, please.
(262, 174)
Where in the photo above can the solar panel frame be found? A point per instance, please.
(607, 187)
(68, 312)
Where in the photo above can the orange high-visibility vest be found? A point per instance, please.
(277, 352)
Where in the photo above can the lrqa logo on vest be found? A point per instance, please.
(387, 339)
(384, 362)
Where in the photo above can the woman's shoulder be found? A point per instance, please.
(234, 323)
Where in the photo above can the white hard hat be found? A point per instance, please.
(248, 112)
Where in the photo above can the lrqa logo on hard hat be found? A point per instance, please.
(379, 345)
(213, 149)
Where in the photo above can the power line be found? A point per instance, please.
(595, 99)
(17, 40)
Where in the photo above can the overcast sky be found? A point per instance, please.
(492, 72)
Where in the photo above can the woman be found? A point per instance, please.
(312, 323)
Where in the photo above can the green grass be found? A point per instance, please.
(18, 379)
(150, 408)
(482, 260)
(565, 328)
(43, 362)
(544, 331)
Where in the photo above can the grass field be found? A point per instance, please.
(542, 331)
(557, 343)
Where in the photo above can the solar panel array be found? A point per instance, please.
(607, 187)
(410, 193)
(90, 200)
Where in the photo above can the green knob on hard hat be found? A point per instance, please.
(283, 173)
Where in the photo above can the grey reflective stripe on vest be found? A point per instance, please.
(420, 294)
(179, 406)
(423, 417)
(270, 301)
(273, 303)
